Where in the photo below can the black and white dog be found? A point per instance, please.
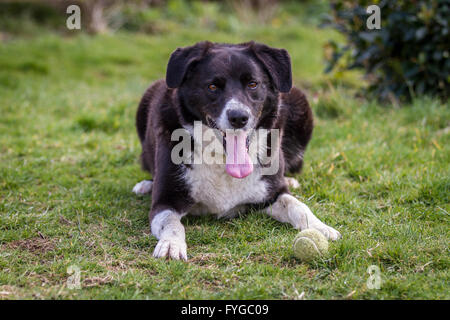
(235, 90)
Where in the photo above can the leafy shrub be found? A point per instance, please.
(408, 56)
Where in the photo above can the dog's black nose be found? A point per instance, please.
(237, 118)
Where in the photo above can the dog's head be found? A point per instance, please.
(227, 87)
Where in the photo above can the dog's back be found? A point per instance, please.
(297, 129)
(148, 119)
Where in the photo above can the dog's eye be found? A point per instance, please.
(252, 85)
(212, 87)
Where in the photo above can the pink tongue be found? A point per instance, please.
(238, 164)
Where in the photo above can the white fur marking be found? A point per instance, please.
(166, 227)
(292, 182)
(232, 104)
(291, 210)
(143, 187)
(219, 193)
(216, 192)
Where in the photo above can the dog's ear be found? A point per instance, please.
(277, 63)
(181, 59)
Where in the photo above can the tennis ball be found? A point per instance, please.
(310, 244)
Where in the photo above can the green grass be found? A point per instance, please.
(69, 159)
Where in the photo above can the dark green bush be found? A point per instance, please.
(407, 57)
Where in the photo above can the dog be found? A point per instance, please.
(233, 89)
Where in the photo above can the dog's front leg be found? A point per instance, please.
(167, 228)
(289, 209)
(170, 202)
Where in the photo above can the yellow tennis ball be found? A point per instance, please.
(310, 244)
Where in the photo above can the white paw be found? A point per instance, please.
(329, 232)
(174, 248)
(292, 182)
(143, 187)
(288, 209)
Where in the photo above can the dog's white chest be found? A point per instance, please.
(216, 191)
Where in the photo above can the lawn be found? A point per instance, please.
(69, 159)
